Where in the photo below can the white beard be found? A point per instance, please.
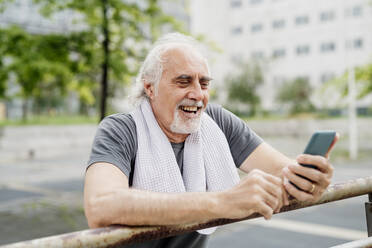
(185, 127)
(189, 125)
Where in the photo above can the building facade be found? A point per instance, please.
(25, 13)
(317, 40)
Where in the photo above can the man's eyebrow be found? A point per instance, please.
(183, 76)
(206, 78)
(188, 77)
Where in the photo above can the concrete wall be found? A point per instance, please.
(289, 136)
(37, 142)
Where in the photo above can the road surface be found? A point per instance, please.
(44, 197)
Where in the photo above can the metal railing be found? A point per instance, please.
(120, 235)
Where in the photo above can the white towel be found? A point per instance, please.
(207, 165)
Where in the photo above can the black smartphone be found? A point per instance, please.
(319, 144)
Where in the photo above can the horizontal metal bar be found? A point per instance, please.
(120, 235)
(362, 243)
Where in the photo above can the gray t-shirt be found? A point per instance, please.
(116, 143)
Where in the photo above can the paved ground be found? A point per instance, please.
(44, 197)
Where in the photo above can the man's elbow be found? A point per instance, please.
(94, 213)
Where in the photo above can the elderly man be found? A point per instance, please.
(173, 159)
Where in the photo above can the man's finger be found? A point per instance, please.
(300, 182)
(319, 161)
(275, 191)
(314, 175)
(271, 200)
(285, 195)
(265, 210)
(298, 194)
(273, 179)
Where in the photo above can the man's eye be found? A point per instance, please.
(183, 82)
(204, 84)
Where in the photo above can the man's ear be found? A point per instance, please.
(149, 89)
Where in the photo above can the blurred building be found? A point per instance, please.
(25, 13)
(317, 39)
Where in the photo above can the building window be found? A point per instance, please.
(277, 24)
(357, 11)
(18, 3)
(236, 30)
(302, 50)
(256, 28)
(326, 77)
(327, 16)
(327, 47)
(301, 20)
(357, 44)
(235, 3)
(237, 58)
(253, 2)
(279, 53)
(257, 55)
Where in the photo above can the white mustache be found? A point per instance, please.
(190, 103)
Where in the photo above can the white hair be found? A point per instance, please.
(151, 69)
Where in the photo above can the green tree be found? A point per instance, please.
(116, 29)
(28, 58)
(363, 78)
(242, 87)
(296, 95)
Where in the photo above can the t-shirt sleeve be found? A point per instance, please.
(114, 142)
(242, 140)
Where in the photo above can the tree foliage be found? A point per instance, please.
(364, 77)
(339, 85)
(28, 61)
(106, 42)
(117, 28)
(242, 87)
(296, 95)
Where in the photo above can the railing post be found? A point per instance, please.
(368, 206)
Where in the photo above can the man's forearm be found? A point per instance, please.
(108, 202)
(135, 207)
(267, 159)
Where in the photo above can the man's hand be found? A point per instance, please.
(320, 178)
(258, 192)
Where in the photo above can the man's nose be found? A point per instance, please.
(196, 92)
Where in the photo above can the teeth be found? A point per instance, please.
(190, 108)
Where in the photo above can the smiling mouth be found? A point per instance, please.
(190, 109)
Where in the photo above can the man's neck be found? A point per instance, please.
(174, 137)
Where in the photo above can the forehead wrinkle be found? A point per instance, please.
(183, 59)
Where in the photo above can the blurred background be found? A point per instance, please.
(287, 67)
